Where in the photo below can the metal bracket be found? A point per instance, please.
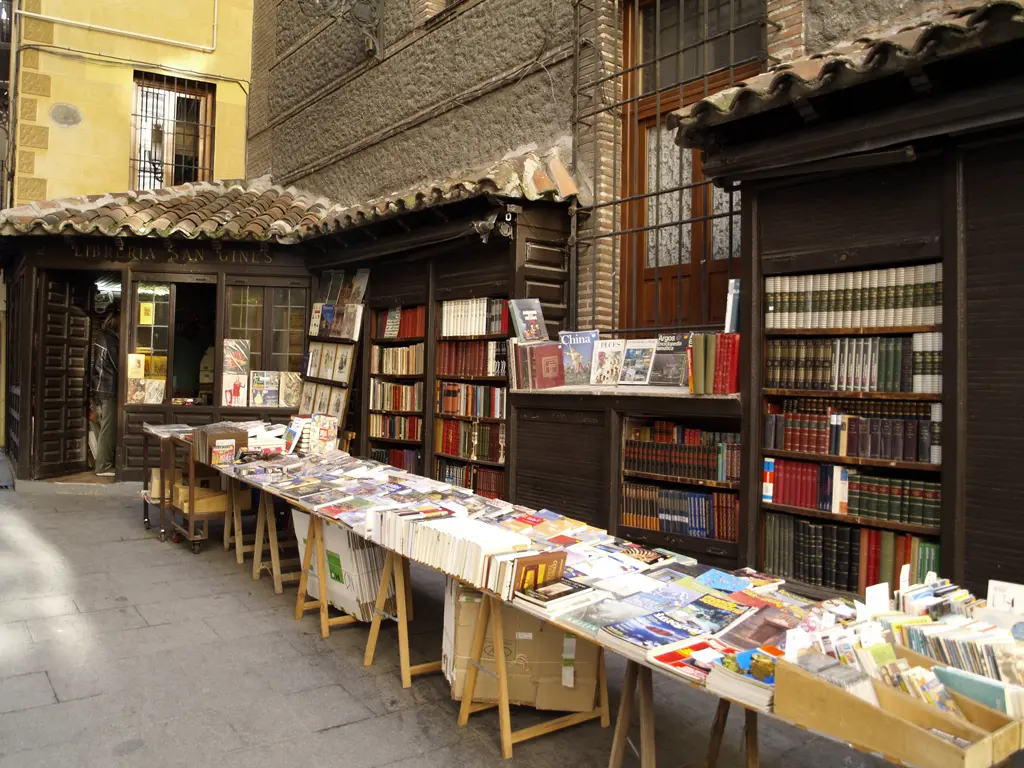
(368, 15)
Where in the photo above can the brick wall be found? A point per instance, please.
(785, 33)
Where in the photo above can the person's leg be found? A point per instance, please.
(108, 438)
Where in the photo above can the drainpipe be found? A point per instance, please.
(124, 33)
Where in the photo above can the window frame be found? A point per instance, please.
(206, 94)
(642, 111)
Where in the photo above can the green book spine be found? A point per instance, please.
(887, 557)
(882, 485)
(916, 511)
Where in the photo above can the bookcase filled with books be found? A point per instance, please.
(470, 393)
(396, 386)
(680, 484)
(850, 410)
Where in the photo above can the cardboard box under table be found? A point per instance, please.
(547, 667)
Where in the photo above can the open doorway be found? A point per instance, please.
(77, 373)
(195, 323)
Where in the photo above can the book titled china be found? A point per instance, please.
(636, 361)
(528, 319)
(577, 355)
(607, 361)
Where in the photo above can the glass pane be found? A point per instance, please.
(668, 168)
(289, 328)
(725, 230)
(245, 320)
(147, 363)
(681, 28)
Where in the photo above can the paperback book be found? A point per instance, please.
(577, 355)
(528, 319)
(637, 360)
(265, 389)
(607, 361)
(669, 366)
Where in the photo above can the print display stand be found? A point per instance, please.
(396, 569)
(491, 615)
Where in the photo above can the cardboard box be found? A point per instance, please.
(204, 439)
(209, 500)
(155, 489)
(547, 667)
(900, 727)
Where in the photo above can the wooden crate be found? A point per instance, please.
(209, 500)
(899, 727)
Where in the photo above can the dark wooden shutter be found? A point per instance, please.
(62, 417)
(994, 477)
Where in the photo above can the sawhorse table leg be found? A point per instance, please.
(315, 541)
(718, 732)
(266, 532)
(637, 676)
(233, 535)
(491, 614)
(396, 567)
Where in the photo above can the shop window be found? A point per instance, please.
(245, 320)
(172, 131)
(289, 328)
(151, 333)
(279, 345)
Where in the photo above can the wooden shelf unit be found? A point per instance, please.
(722, 485)
(679, 543)
(432, 267)
(884, 330)
(853, 461)
(827, 255)
(870, 522)
(838, 394)
(477, 462)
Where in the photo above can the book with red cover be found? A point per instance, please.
(546, 366)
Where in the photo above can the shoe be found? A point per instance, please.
(106, 474)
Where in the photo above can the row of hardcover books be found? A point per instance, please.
(489, 482)
(396, 427)
(472, 358)
(913, 439)
(410, 460)
(868, 364)
(718, 461)
(892, 297)
(453, 473)
(478, 400)
(397, 361)
(388, 396)
(685, 513)
(473, 317)
(662, 431)
(843, 491)
(842, 557)
(470, 440)
(401, 323)
(484, 481)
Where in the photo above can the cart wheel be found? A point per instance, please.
(196, 546)
(146, 523)
(163, 536)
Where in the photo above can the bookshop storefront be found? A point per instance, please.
(162, 309)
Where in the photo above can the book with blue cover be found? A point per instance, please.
(714, 613)
(656, 629)
(723, 581)
(577, 355)
(665, 598)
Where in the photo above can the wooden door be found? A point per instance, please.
(61, 418)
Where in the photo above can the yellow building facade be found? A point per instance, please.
(112, 95)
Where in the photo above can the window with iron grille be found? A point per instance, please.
(172, 131)
(668, 237)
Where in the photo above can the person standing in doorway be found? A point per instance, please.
(104, 392)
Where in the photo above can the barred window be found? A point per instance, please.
(172, 131)
(674, 238)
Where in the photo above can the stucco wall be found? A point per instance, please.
(828, 22)
(93, 71)
(460, 89)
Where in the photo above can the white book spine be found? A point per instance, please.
(936, 456)
(917, 345)
(890, 298)
(873, 381)
(873, 297)
(859, 289)
(833, 381)
(933, 310)
(821, 294)
(786, 302)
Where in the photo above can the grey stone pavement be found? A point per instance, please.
(119, 650)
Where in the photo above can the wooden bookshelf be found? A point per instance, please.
(926, 397)
(823, 458)
(883, 330)
(397, 342)
(871, 522)
(714, 510)
(814, 592)
(491, 379)
(728, 485)
(331, 340)
(479, 336)
(328, 382)
(396, 376)
(478, 462)
(876, 286)
(398, 440)
(481, 419)
(396, 413)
